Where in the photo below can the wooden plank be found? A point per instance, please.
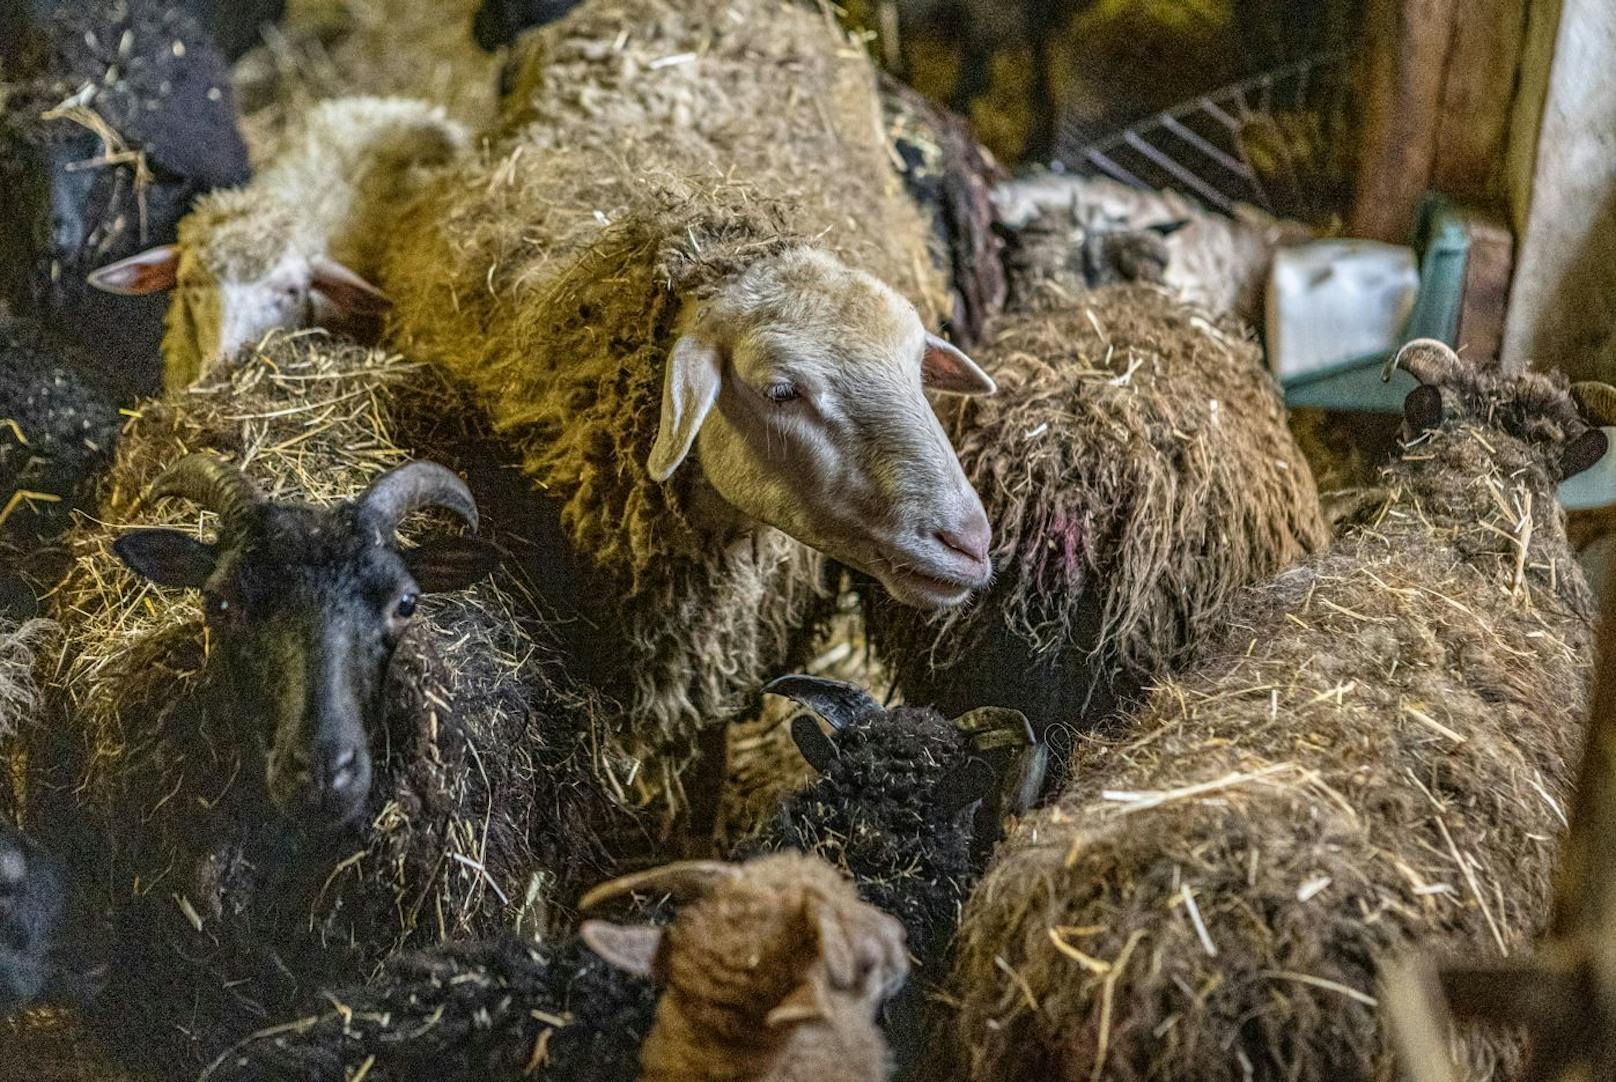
(1401, 82)
(1478, 99)
(1486, 288)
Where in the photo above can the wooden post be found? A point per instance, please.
(1401, 84)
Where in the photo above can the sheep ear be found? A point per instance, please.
(443, 564)
(1024, 780)
(631, 948)
(946, 368)
(836, 701)
(865, 957)
(345, 290)
(806, 1003)
(153, 271)
(689, 389)
(1584, 452)
(166, 557)
(816, 747)
(1422, 409)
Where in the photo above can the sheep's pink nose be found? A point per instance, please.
(969, 538)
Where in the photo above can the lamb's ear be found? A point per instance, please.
(806, 1003)
(631, 948)
(816, 747)
(166, 557)
(946, 368)
(689, 389)
(1422, 409)
(1583, 452)
(442, 564)
(345, 290)
(153, 271)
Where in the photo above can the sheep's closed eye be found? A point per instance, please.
(781, 392)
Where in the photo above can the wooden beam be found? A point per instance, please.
(1401, 83)
(1486, 288)
(1478, 96)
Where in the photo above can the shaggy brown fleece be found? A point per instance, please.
(484, 809)
(656, 149)
(1137, 471)
(1375, 750)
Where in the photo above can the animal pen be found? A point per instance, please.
(790, 540)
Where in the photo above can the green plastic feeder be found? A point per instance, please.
(1442, 241)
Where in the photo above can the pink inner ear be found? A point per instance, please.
(152, 271)
(347, 291)
(945, 368)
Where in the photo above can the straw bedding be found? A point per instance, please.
(1375, 749)
(657, 149)
(1137, 472)
(484, 808)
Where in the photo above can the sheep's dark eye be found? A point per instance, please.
(406, 606)
(781, 392)
(219, 608)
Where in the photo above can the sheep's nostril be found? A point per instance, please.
(342, 771)
(968, 542)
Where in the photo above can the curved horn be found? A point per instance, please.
(683, 880)
(995, 727)
(1595, 401)
(211, 483)
(837, 701)
(1427, 360)
(414, 485)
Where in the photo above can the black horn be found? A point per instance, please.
(412, 486)
(211, 483)
(836, 701)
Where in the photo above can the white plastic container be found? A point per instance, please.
(1330, 301)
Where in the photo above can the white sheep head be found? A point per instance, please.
(800, 383)
(240, 268)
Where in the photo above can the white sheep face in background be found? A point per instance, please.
(801, 386)
(222, 305)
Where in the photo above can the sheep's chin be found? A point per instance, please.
(924, 592)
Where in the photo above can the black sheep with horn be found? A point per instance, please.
(305, 606)
(909, 804)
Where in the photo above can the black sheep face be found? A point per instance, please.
(72, 202)
(1554, 427)
(306, 611)
(905, 794)
(305, 608)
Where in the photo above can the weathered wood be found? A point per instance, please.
(1486, 288)
(1439, 81)
(1479, 85)
(1401, 81)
